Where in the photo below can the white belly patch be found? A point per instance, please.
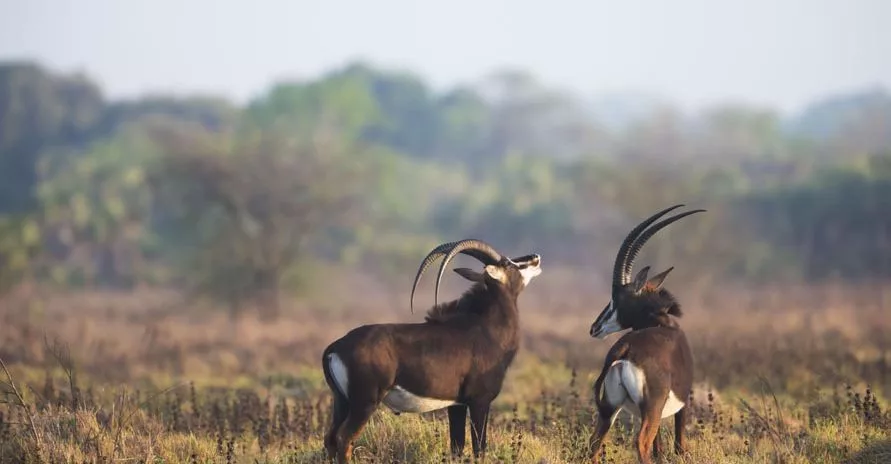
(339, 372)
(624, 386)
(398, 399)
(401, 400)
(672, 406)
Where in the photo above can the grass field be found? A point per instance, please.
(784, 375)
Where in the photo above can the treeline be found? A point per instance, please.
(368, 168)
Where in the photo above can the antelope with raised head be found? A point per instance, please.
(649, 370)
(456, 359)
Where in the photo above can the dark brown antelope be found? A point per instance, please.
(455, 359)
(649, 370)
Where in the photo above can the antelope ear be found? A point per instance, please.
(470, 274)
(655, 282)
(640, 280)
(497, 273)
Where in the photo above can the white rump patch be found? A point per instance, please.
(401, 400)
(339, 372)
(624, 386)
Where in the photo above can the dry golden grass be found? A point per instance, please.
(783, 375)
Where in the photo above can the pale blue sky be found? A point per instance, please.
(782, 53)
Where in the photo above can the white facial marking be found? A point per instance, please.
(339, 372)
(672, 405)
(529, 273)
(608, 326)
(532, 269)
(401, 400)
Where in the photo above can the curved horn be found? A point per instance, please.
(479, 249)
(642, 239)
(620, 276)
(435, 254)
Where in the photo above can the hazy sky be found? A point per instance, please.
(782, 53)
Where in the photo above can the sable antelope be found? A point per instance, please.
(649, 370)
(455, 359)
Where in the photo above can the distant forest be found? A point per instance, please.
(368, 168)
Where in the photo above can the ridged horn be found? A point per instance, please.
(435, 254)
(478, 249)
(642, 239)
(620, 277)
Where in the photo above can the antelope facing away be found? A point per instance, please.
(649, 370)
(456, 359)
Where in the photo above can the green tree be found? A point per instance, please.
(836, 224)
(341, 102)
(246, 208)
(210, 113)
(96, 211)
(20, 244)
(735, 132)
(39, 110)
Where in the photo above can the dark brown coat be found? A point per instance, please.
(456, 359)
(649, 370)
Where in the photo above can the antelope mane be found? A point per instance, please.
(470, 303)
